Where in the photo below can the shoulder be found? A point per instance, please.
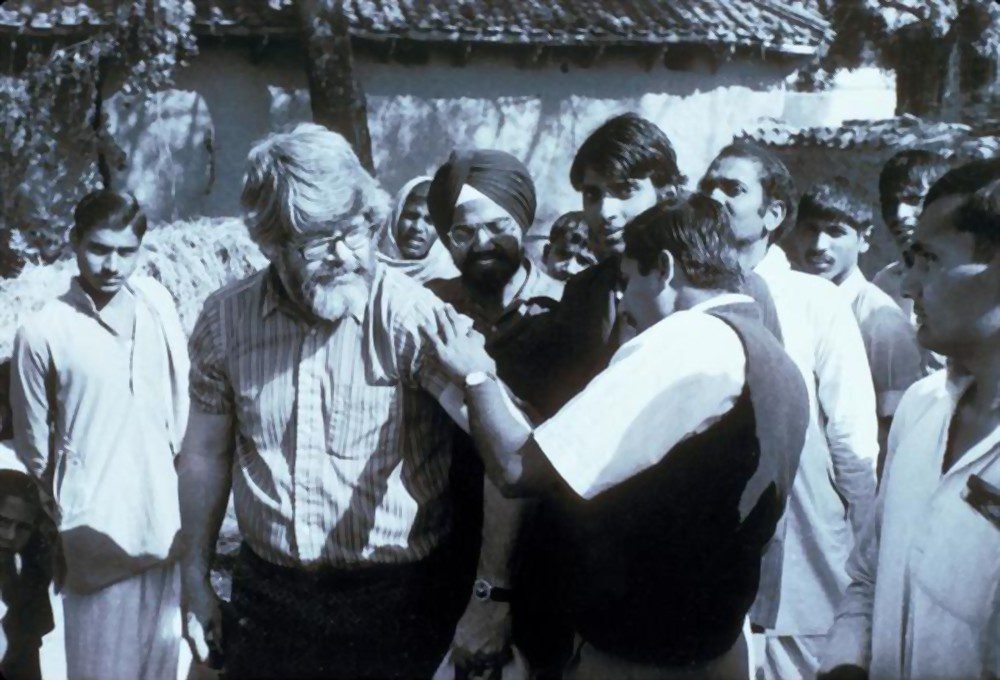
(921, 396)
(401, 300)
(877, 311)
(238, 292)
(153, 290)
(689, 339)
(447, 290)
(815, 299)
(39, 326)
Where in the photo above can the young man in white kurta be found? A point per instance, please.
(803, 573)
(100, 401)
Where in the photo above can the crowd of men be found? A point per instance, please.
(692, 442)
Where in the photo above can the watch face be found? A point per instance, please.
(481, 589)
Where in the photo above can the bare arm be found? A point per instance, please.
(204, 478)
(513, 461)
(204, 481)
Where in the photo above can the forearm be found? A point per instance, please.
(504, 441)
(204, 481)
(503, 519)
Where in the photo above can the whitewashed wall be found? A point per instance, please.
(417, 114)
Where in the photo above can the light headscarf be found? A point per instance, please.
(436, 264)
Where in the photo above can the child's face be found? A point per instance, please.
(17, 521)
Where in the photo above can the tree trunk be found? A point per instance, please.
(338, 102)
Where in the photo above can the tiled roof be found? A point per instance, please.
(892, 133)
(591, 22)
(780, 26)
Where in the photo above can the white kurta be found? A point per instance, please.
(816, 534)
(924, 601)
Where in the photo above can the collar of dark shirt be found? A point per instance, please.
(118, 316)
(276, 297)
(536, 285)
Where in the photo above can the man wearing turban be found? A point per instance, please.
(481, 203)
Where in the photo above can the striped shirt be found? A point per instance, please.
(341, 452)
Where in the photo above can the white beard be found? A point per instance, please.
(335, 300)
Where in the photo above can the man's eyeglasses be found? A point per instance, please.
(462, 234)
(320, 249)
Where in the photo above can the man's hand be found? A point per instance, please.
(481, 646)
(460, 349)
(202, 618)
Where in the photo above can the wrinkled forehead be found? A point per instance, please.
(474, 207)
(350, 220)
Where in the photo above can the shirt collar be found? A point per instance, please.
(721, 300)
(275, 296)
(118, 314)
(853, 284)
(774, 261)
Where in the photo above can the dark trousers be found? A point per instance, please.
(391, 621)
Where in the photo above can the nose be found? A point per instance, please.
(339, 253)
(112, 262)
(611, 210)
(719, 196)
(482, 240)
(822, 242)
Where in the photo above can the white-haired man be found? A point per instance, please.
(312, 400)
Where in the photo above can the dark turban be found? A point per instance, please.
(495, 174)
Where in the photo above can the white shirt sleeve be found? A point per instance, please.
(670, 382)
(847, 400)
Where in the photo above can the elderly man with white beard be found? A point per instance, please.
(312, 401)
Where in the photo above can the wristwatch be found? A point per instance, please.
(483, 590)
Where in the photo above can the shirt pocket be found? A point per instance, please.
(957, 560)
(363, 419)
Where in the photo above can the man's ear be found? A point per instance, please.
(865, 236)
(774, 215)
(666, 266)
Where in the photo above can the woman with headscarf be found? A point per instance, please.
(408, 241)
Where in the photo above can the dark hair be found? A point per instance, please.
(6, 417)
(627, 147)
(837, 200)
(15, 483)
(568, 221)
(108, 209)
(905, 169)
(775, 180)
(696, 232)
(979, 183)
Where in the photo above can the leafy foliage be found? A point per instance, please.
(52, 134)
(190, 258)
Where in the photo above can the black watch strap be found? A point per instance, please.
(484, 590)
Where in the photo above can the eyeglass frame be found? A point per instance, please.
(353, 238)
(493, 227)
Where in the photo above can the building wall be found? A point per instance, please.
(231, 95)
